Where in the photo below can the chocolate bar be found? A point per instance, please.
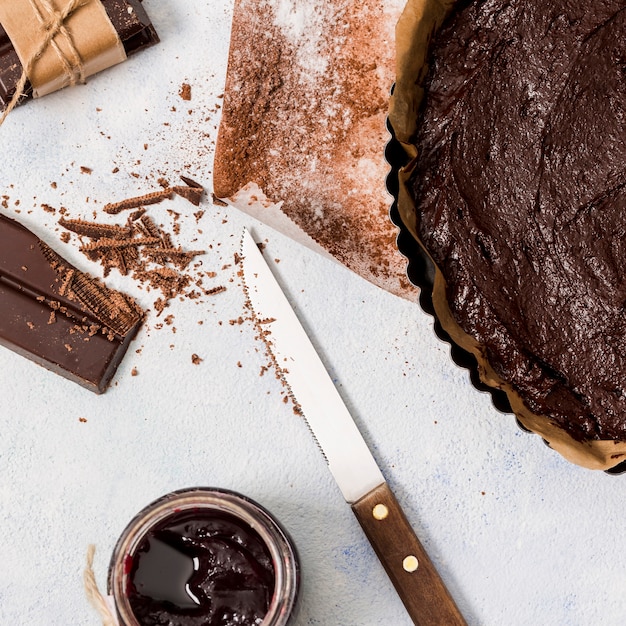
(129, 19)
(58, 316)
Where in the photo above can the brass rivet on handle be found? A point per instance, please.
(410, 563)
(380, 512)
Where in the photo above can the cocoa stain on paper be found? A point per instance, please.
(305, 118)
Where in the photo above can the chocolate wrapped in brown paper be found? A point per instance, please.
(48, 44)
(577, 430)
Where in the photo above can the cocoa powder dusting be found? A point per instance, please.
(305, 118)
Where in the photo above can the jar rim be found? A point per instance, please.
(279, 544)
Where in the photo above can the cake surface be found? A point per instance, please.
(519, 196)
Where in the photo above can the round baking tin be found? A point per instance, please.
(421, 273)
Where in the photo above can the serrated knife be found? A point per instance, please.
(357, 474)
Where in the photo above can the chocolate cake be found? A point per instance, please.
(517, 192)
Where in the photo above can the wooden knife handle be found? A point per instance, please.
(412, 573)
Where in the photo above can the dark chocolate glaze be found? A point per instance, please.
(129, 19)
(520, 193)
(201, 568)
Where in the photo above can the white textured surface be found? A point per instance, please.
(520, 536)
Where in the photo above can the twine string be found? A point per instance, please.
(93, 593)
(54, 24)
(74, 69)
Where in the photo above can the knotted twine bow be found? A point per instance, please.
(54, 24)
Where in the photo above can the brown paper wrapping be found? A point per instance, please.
(418, 23)
(86, 44)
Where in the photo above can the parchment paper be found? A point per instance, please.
(419, 20)
(304, 120)
(416, 26)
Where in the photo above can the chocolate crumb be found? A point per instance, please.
(185, 91)
(195, 359)
(217, 201)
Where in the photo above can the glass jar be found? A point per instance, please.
(202, 512)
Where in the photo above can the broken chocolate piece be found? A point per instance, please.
(192, 192)
(58, 316)
(129, 19)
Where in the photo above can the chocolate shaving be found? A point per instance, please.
(191, 183)
(107, 244)
(65, 285)
(167, 241)
(140, 228)
(192, 192)
(113, 309)
(119, 261)
(132, 203)
(180, 258)
(150, 226)
(135, 215)
(169, 281)
(137, 246)
(95, 231)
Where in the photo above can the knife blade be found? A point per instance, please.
(362, 484)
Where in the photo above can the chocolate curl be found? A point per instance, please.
(54, 26)
(192, 192)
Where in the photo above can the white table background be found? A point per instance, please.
(520, 536)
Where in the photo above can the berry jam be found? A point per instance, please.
(201, 568)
